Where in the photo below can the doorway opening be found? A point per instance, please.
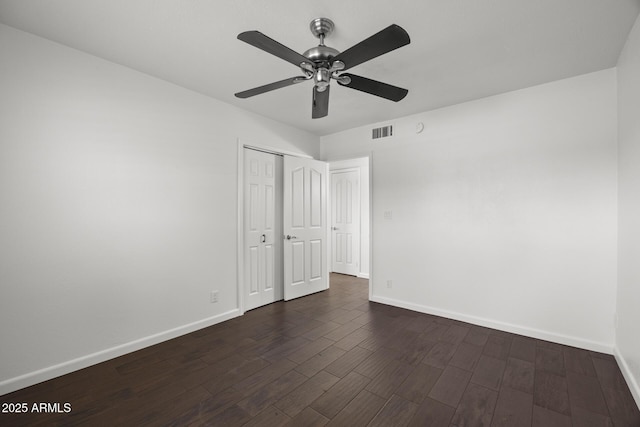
(350, 217)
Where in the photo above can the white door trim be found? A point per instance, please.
(346, 164)
(241, 145)
(362, 165)
(330, 218)
(330, 207)
(371, 264)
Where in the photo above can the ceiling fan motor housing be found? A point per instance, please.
(321, 53)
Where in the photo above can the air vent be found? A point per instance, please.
(383, 132)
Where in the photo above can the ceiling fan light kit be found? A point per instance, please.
(323, 63)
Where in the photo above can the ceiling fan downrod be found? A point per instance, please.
(321, 55)
(321, 28)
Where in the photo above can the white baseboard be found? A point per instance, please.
(31, 378)
(628, 376)
(363, 275)
(502, 326)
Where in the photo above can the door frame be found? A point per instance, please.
(366, 158)
(241, 145)
(357, 163)
(360, 214)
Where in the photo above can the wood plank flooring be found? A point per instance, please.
(336, 359)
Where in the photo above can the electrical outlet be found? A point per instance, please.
(214, 296)
(388, 214)
(389, 284)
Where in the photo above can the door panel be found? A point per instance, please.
(253, 265)
(315, 247)
(315, 198)
(263, 228)
(297, 263)
(297, 198)
(269, 262)
(253, 207)
(269, 208)
(305, 227)
(345, 221)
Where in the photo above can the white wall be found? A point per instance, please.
(503, 210)
(628, 332)
(117, 207)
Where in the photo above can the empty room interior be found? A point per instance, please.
(449, 236)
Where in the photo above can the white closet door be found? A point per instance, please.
(305, 227)
(262, 228)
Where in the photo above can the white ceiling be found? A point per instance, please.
(460, 49)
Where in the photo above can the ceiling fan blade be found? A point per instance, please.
(271, 86)
(374, 87)
(385, 41)
(259, 40)
(320, 106)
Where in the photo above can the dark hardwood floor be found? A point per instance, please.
(334, 358)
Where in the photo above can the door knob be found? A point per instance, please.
(289, 237)
(335, 228)
(263, 238)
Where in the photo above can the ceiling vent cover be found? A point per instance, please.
(383, 132)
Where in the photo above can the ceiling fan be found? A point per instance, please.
(323, 63)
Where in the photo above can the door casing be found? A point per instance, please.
(347, 227)
(365, 165)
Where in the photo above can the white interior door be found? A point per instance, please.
(305, 227)
(345, 222)
(262, 228)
